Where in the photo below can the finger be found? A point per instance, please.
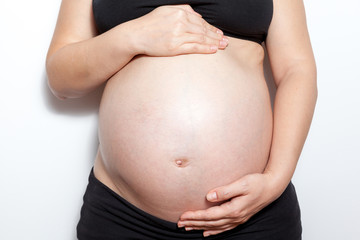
(206, 225)
(202, 228)
(208, 233)
(205, 38)
(237, 188)
(188, 48)
(222, 224)
(214, 35)
(200, 26)
(201, 39)
(222, 211)
(196, 25)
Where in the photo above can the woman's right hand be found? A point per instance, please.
(176, 29)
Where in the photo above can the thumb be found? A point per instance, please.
(227, 192)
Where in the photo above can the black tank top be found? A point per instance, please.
(245, 19)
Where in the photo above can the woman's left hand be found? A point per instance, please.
(243, 198)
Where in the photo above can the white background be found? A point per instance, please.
(47, 146)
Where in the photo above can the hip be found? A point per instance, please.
(119, 219)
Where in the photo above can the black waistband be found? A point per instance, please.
(107, 216)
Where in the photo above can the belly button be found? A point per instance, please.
(182, 162)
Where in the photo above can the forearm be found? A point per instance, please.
(80, 67)
(293, 111)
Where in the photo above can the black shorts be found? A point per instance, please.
(107, 216)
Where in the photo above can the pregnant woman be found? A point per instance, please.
(189, 146)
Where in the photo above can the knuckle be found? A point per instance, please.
(180, 13)
(226, 191)
(172, 45)
(205, 30)
(238, 214)
(179, 25)
(196, 48)
(234, 214)
(243, 214)
(202, 38)
(203, 23)
(243, 220)
(218, 37)
(188, 7)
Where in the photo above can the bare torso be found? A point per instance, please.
(173, 128)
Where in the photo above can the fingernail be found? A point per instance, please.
(206, 234)
(226, 39)
(212, 196)
(188, 228)
(219, 31)
(223, 43)
(180, 225)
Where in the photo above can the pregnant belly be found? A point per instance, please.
(171, 129)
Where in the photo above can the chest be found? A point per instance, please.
(247, 19)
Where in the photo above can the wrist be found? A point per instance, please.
(122, 40)
(132, 35)
(276, 183)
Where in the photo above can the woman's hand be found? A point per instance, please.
(243, 199)
(176, 29)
